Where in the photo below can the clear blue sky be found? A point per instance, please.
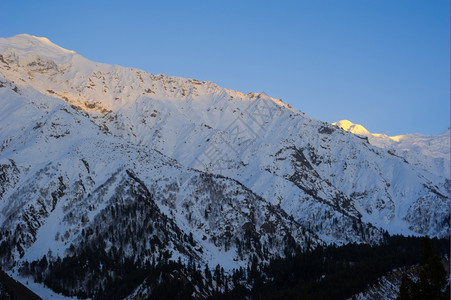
(384, 64)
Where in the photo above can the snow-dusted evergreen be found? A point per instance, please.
(216, 176)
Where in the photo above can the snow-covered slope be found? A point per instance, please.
(279, 153)
(430, 152)
(78, 137)
(63, 176)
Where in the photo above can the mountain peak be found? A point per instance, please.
(33, 37)
(27, 41)
(351, 127)
(23, 46)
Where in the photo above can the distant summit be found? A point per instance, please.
(351, 127)
(431, 152)
(37, 45)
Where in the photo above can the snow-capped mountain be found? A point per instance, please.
(90, 152)
(63, 168)
(431, 152)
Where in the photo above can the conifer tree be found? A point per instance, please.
(432, 278)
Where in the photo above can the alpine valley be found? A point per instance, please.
(116, 183)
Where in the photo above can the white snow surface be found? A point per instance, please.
(430, 152)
